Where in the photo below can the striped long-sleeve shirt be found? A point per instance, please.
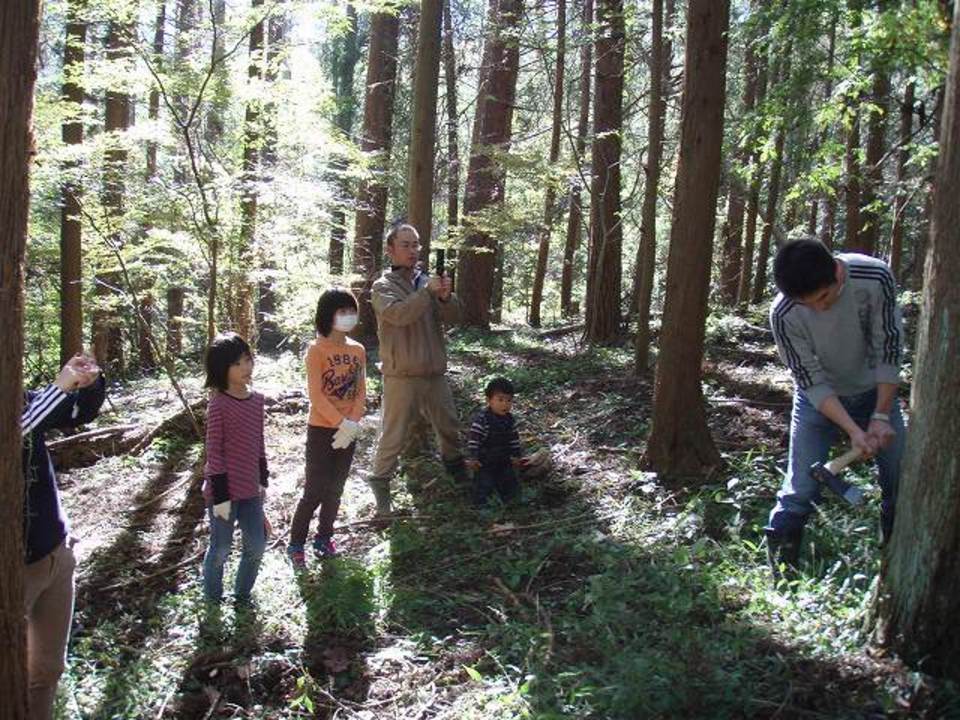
(850, 347)
(45, 523)
(493, 438)
(236, 464)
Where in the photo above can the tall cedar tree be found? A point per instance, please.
(680, 443)
(829, 199)
(107, 319)
(575, 216)
(346, 56)
(661, 50)
(919, 579)
(782, 75)
(486, 177)
(550, 197)
(19, 32)
(901, 200)
(453, 146)
(375, 141)
(753, 192)
(853, 189)
(732, 232)
(606, 228)
(252, 137)
(71, 233)
(153, 103)
(423, 128)
(876, 131)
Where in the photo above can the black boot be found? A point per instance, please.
(457, 469)
(783, 552)
(886, 527)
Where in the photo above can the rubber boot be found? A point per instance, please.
(783, 552)
(381, 494)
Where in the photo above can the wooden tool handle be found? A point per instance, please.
(849, 457)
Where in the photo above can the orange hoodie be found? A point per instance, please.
(336, 381)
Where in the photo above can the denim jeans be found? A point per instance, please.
(811, 436)
(249, 515)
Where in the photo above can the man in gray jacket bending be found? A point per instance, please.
(838, 329)
(411, 309)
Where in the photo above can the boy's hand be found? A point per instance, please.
(446, 289)
(472, 464)
(79, 371)
(519, 461)
(267, 528)
(882, 433)
(864, 442)
(222, 511)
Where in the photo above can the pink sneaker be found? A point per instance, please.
(325, 547)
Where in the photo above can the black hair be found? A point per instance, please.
(499, 385)
(803, 267)
(336, 298)
(395, 227)
(224, 350)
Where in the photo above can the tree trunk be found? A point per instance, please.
(873, 179)
(753, 198)
(375, 140)
(900, 204)
(575, 217)
(453, 145)
(19, 31)
(243, 321)
(660, 54)
(153, 104)
(852, 169)
(269, 337)
(829, 198)
(606, 230)
(107, 319)
(732, 256)
(680, 443)
(424, 123)
(486, 177)
(147, 359)
(920, 251)
(175, 321)
(543, 252)
(919, 581)
(71, 232)
(345, 64)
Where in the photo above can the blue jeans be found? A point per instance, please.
(811, 436)
(249, 515)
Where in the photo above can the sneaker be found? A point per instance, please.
(297, 556)
(325, 547)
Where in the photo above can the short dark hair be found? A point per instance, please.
(499, 385)
(395, 227)
(224, 350)
(336, 298)
(802, 267)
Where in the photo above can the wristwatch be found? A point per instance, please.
(884, 417)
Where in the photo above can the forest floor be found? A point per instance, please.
(602, 594)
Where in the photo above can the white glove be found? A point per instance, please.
(345, 434)
(222, 511)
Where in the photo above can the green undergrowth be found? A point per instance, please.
(600, 594)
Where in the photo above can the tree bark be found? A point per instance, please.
(900, 203)
(918, 583)
(453, 145)
(680, 442)
(575, 217)
(175, 321)
(19, 31)
(243, 320)
(732, 254)
(873, 179)
(71, 229)
(486, 177)
(853, 190)
(920, 251)
(423, 128)
(829, 199)
(345, 64)
(375, 140)
(606, 229)
(753, 197)
(549, 209)
(660, 53)
(153, 104)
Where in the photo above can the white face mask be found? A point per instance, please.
(345, 323)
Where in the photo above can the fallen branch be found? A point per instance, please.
(158, 573)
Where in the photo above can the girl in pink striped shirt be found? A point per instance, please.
(235, 473)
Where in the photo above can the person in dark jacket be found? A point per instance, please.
(73, 399)
(493, 445)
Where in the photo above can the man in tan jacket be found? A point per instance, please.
(411, 309)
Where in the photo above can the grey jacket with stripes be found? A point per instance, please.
(850, 347)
